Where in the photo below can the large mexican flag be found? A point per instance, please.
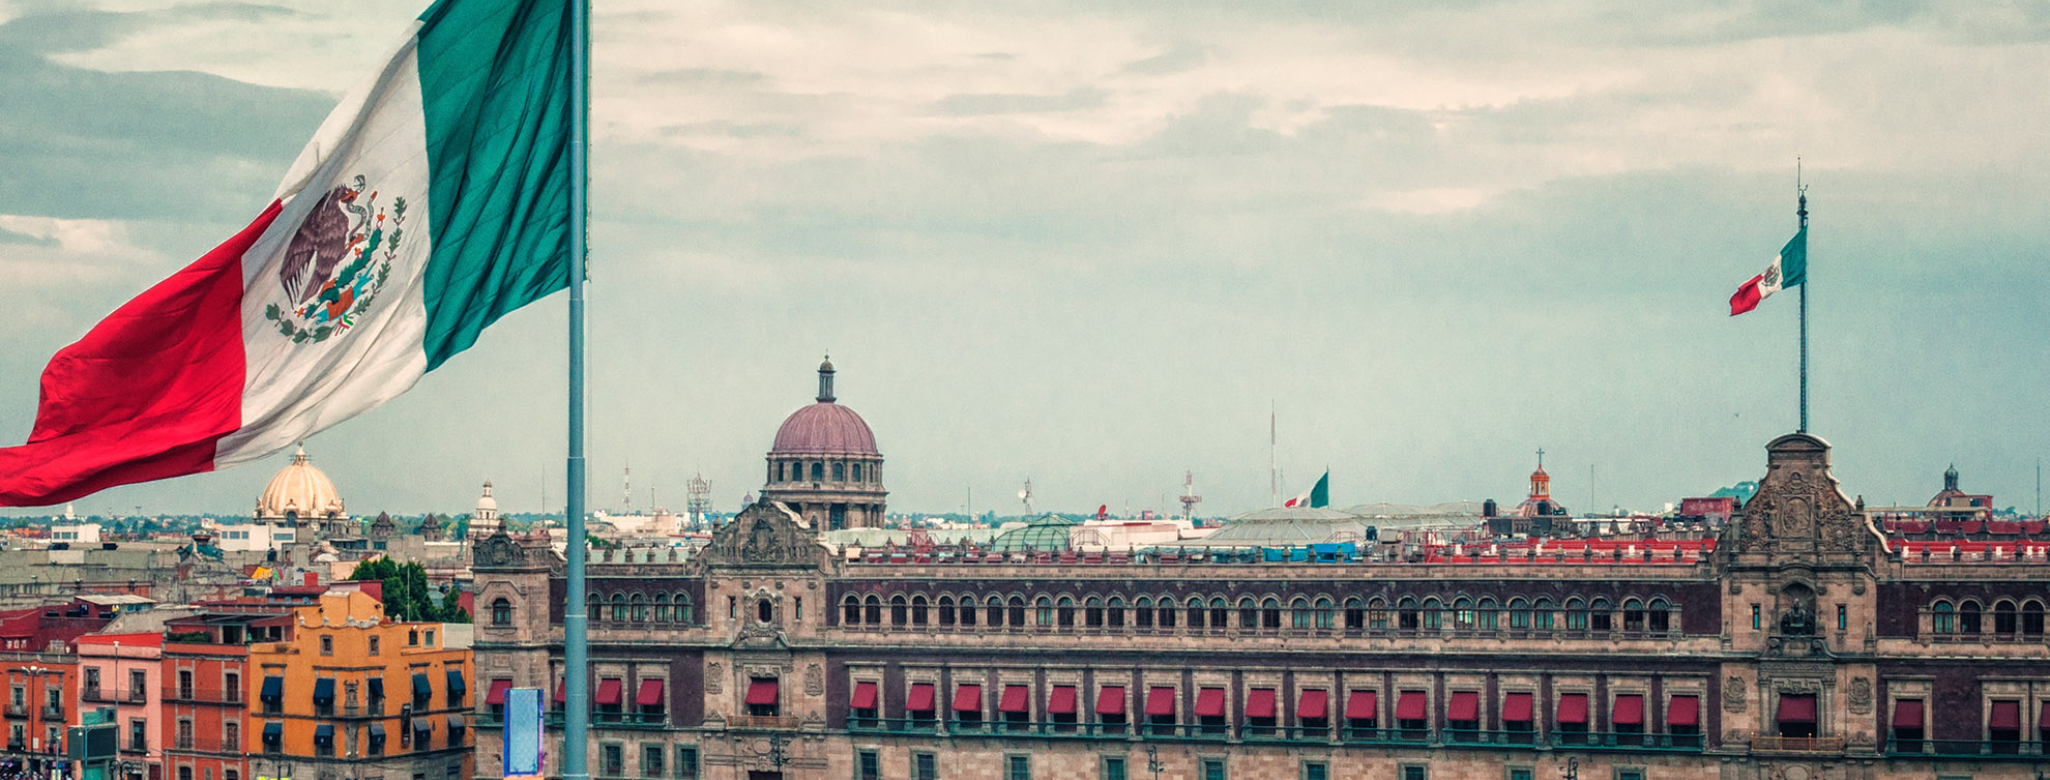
(434, 200)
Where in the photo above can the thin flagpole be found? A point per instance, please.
(1802, 212)
(575, 621)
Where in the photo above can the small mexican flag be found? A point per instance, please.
(1788, 269)
(1316, 497)
(433, 200)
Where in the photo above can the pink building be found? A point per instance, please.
(122, 671)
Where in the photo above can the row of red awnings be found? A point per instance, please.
(1313, 703)
(649, 695)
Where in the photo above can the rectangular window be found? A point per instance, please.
(1017, 768)
(925, 766)
(612, 761)
(651, 761)
(686, 762)
(1113, 768)
(1756, 621)
(138, 735)
(1630, 773)
(138, 685)
(1318, 770)
(1843, 617)
(1415, 772)
(868, 766)
(327, 645)
(1521, 773)
(1213, 769)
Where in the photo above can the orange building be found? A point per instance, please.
(206, 681)
(348, 694)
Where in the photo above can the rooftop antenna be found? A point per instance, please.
(626, 489)
(700, 502)
(1273, 477)
(1026, 496)
(1189, 498)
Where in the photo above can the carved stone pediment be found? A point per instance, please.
(500, 551)
(1799, 513)
(766, 535)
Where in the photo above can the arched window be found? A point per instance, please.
(2032, 618)
(764, 611)
(1299, 613)
(1377, 614)
(1484, 615)
(1355, 614)
(1941, 618)
(1219, 613)
(900, 612)
(1017, 611)
(946, 610)
(1064, 613)
(1407, 616)
(501, 612)
(618, 612)
(839, 471)
(1462, 614)
(1659, 620)
(1434, 614)
(680, 609)
(1633, 616)
(1576, 615)
(1270, 613)
(594, 608)
(996, 612)
(1115, 615)
(1968, 618)
(2004, 622)
(967, 611)
(1196, 615)
(857, 472)
(850, 610)
(1541, 615)
(1519, 615)
(1323, 612)
(1601, 616)
(920, 611)
(872, 611)
(638, 608)
(1092, 612)
(1167, 612)
(1042, 609)
(1142, 612)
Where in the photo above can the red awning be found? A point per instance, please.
(608, 691)
(2006, 715)
(1573, 708)
(1799, 708)
(2043, 718)
(1683, 711)
(967, 698)
(1464, 706)
(1160, 701)
(921, 698)
(1110, 700)
(650, 694)
(1907, 714)
(1518, 708)
(498, 689)
(1314, 703)
(1016, 698)
(561, 691)
(864, 696)
(1629, 710)
(1410, 706)
(1062, 702)
(1361, 706)
(1210, 703)
(1260, 703)
(762, 691)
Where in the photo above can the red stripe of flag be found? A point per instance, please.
(1746, 297)
(147, 393)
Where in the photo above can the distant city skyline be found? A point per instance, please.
(1091, 246)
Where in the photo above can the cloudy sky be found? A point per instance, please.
(1093, 245)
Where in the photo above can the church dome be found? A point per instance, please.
(299, 489)
(825, 427)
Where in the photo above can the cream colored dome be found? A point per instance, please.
(299, 489)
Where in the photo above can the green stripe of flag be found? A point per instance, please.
(494, 83)
(1794, 260)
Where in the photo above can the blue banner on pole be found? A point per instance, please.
(522, 733)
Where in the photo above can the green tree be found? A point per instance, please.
(406, 593)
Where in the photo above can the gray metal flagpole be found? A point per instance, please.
(575, 622)
(1802, 212)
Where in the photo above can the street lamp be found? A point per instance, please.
(1572, 768)
(1153, 761)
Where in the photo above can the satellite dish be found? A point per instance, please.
(1023, 493)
